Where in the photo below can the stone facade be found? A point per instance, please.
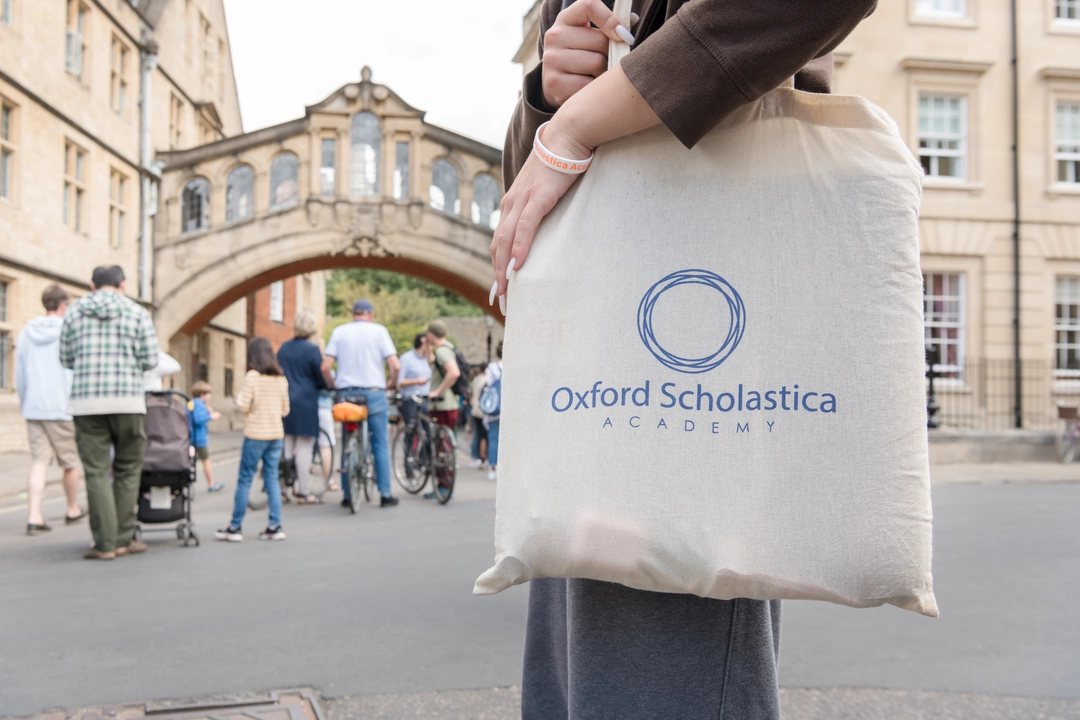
(75, 178)
(942, 70)
(360, 181)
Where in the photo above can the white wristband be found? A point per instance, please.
(559, 164)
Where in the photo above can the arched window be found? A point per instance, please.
(195, 213)
(284, 188)
(364, 170)
(485, 204)
(240, 194)
(444, 188)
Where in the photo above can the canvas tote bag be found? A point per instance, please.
(714, 367)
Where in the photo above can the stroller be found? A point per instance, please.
(165, 489)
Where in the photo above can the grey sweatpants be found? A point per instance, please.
(597, 650)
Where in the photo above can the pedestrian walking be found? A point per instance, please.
(264, 400)
(327, 439)
(476, 417)
(596, 649)
(200, 413)
(361, 349)
(301, 361)
(44, 388)
(493, 379)
(109, 341)
(414, 383)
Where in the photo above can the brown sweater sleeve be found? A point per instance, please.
(713, 56)
(709, 58)
(531, 111)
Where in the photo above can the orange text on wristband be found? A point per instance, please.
(560, 164)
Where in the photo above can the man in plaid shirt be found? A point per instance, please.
(109, 341)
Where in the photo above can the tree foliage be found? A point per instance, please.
(404, 304)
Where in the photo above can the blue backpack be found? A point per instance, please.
(491, 398)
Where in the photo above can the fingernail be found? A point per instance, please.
(491, 295)
(502, 304)
(634, 19)
(623, 33)
(510, 268)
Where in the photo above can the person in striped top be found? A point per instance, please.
(264, 400)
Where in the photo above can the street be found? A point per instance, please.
(375, 612)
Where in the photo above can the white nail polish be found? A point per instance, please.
(502, 304)
(491, 295)
(510, 269)
(623, 33)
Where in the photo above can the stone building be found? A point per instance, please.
(90, 92)
(943, 70)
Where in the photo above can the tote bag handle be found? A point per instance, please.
(618, 50)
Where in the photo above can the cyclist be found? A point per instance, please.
(415, 381)
(444, 373)
(361, 348)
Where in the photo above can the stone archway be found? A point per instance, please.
(350, 201)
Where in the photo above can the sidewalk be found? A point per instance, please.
(224, 446)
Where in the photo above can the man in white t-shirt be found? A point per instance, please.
(361, 348)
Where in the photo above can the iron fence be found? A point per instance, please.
(980, 394)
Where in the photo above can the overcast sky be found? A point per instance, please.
(452, 59)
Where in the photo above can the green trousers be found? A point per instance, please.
(112, 500)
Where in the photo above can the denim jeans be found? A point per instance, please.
(379, 432)
(479, 432)
(493, 443)
(269, 451)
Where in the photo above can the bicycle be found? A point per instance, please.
(422, 453)
(357, 460)
(320, 481)
(1069, 438)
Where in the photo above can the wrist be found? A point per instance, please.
(563, 135)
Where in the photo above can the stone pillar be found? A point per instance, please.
(315, 164)
(417, 185)
(389, 160)
(344, 169)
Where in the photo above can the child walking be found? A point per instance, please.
(264, 400)
(199, 416)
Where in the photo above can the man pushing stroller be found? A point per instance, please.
(109, 341)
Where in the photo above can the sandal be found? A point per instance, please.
(216, 487)
(308, 500)
(69, 519)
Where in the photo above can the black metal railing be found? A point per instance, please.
(980, 394)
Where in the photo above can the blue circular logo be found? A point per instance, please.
(692, 277)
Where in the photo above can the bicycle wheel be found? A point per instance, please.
(321, 471)
(444, 465)
(352, 459)
(371, 491)
(1067, 443)
(403, 461)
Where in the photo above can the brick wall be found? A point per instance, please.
(260, 323)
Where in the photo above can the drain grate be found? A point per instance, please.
(300, 704)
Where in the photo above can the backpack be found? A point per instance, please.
(491, 398)
(461, 385)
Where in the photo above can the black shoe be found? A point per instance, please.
(272, 533)
(388, 502)
(32, 529)
(345, 503)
